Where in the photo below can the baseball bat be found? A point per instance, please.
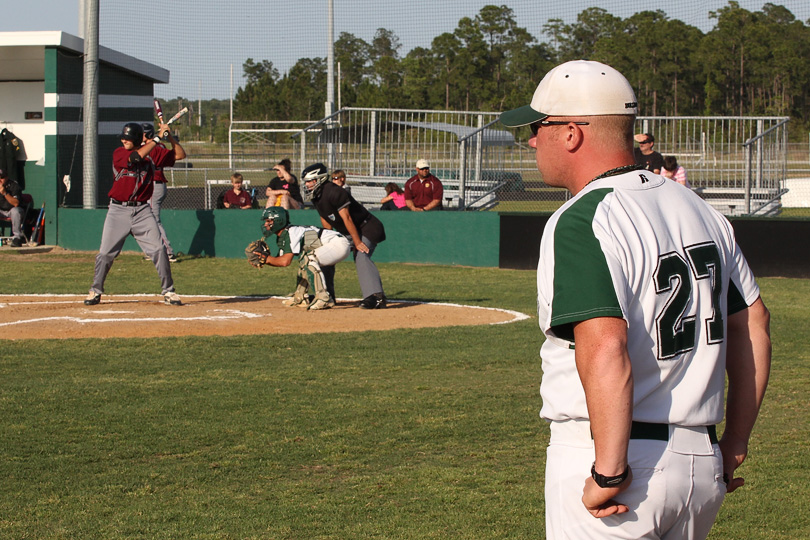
(181, 113)
(159, 113)
(38, 222)
(41, 228)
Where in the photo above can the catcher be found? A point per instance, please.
(315, 248)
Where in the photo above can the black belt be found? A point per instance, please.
(660, 432)
(128, 203)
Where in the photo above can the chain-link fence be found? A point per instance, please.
(739, 164)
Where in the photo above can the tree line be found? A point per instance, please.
(749, 63)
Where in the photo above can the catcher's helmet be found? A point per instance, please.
(278, 218)
(132, 131)
(148, 130)
(318, 173)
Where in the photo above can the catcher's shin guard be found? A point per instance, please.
(300, 298)
(315, 275)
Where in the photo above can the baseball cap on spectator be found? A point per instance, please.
(422, 164)
(576, 88)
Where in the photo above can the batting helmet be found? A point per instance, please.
(133, 132)
(278, 218)
(148, 130)
(318, 173)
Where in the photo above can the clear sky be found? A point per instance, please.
(198, 40)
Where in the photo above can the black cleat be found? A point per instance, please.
(374, 301)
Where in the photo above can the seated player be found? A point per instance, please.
(315, 248)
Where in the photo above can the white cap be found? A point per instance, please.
(422, 164)
(577, 88)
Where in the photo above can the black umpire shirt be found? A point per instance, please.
(332, 198)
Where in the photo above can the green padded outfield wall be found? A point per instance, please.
(457, 238)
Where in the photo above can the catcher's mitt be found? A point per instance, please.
(257, 253)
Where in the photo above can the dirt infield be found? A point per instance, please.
(65, 317)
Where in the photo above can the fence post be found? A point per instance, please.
(462, 173)
(479, 150)
(303, 149)
(372, 144)
(747, 178)
(760, 143)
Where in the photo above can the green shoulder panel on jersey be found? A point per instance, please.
(583, 288)
(284, 242)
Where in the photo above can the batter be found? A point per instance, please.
(129, 211)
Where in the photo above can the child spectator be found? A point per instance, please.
(673, 171)
(237, 197)
(394, 199)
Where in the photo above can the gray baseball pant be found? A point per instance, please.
(121, 221)
(159, 192)
(367, 273)
(16, 215)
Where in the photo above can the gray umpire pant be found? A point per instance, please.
(159, 192)
(121, 221)
(367, 273)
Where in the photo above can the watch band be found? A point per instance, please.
(609, 481)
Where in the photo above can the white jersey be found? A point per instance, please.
(648, 250)
(299, 241)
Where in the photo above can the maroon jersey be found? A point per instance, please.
(134, 182)
(237, 201)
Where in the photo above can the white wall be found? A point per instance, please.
(17, 98)
(799, 194)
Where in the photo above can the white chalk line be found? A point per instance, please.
(231, 314)
(516, 315)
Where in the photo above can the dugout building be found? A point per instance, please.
(41, 78)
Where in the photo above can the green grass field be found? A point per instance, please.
(405, 434)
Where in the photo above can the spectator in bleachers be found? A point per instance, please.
(645, 155)
(394, 198)
(237, 197)
(423, 191)
(339, 178)
(674, 171)
(10, 197)
(284, 190)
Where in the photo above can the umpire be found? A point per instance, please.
(134, 164)
(339, 211)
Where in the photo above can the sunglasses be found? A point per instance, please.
(644, 142)
(424, 168)
(536, 126)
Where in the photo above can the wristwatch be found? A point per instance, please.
(609, 481)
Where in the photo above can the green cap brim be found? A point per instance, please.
(522, 116)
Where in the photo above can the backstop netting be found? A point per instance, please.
(723, 85)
